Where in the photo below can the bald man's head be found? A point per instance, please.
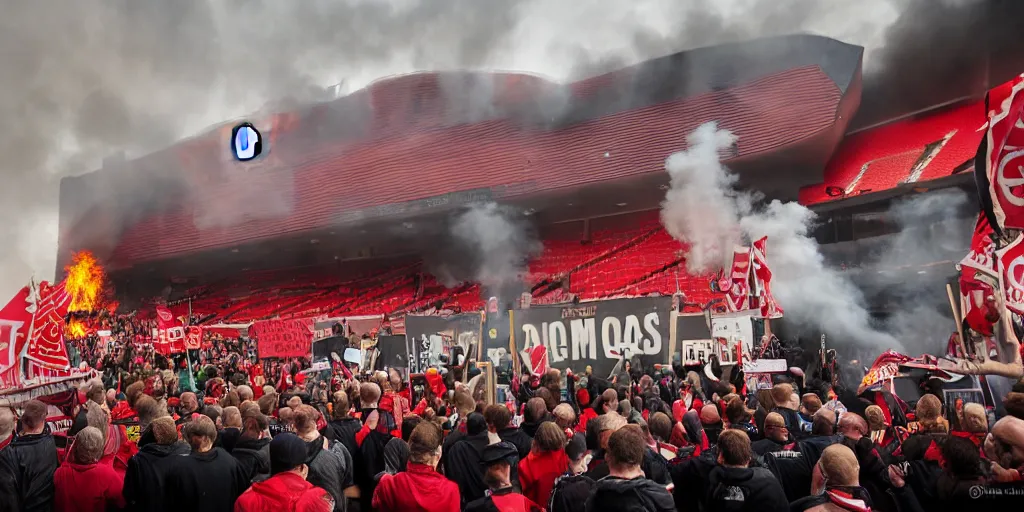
(838, 464)
(1005, 444)
(853, 426)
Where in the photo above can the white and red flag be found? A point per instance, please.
(763, 280)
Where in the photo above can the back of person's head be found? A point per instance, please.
(287, 452)
(764, 399)
(610, 400)
(231, 418)
(253, 425)
(94, 391)
(148, 409)
(549, 438)
(249, 408)
(853, 425)
(98, 417)
(576, 448)
(927, 412)
(810, 403)
(164, 431)
(875, 417)
(305, 419)
(340, 405)
(839, 465)
(409, 423)
(975, 419)
(294, 402)
(133, 392)
(286, 415)
(88, 447)
(424, 442)
(7, 423)
(369, 394)
(734, 448)
(823, 423)
(660, 426)
(564, 415)
(536, 408)
(781, 394)
(267, 403)
(709, 415)
(231, 399)
(213, 412)
(549, 399)
(498, 416)
(962, 457)
(199, 431)
(1005, 444)
(33, 415)
(626, 448)
(625, 408)
(463, 402)
(736, 411)
(475, 424)
(244, 392)
(605, 425)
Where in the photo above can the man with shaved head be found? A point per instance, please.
(1004, 446)
(835, 483)
(855, 435)
(776, 435)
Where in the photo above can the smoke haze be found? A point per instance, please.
(814, 296)
(87, 78)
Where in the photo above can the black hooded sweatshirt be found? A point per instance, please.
(463, 466)
(200, 482)
(29, 462)
(570, 493)
(636, 495)
(254, 457)
(744, 489)
(520, 439)
(330, 469)
(344, 431)
(145, 476)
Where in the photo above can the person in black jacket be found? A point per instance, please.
(342, 427)
(252, 451)
(728, 483)
(29, 462)
(571, 490)
(463, 460)
(147, 470)
(776, 436)
(499, 421)
(208, 478)
(835, 482)
(625, 489)
(330, 464)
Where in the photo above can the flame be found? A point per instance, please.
(76, 329)
(84, 283)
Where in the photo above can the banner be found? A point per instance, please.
(597, 334)
(431, 336)
(1011, 274)
(170, 333)
(322, 349)
(1004, 159)
(737, 284)
(735, 328)
(763, 280)
(283, 338)
(393, 352)
(693, 326)
(360, 325)
(46, 340)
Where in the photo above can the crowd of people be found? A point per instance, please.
(226, 438)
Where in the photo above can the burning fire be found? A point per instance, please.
(76, 329)
(84, 283)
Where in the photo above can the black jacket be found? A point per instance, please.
(792, 421)
(570, 493)
(516, 436)
(463, 467)
(254, 457)
(637, 495)
(201, 482)
(769, 445)
(29, 463)
(147, 471)
(344, 431)
(330, 469)
(227, 438)
(744, 489)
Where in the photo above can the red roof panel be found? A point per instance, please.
(882, 158)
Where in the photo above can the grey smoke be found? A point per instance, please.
(813, 295)
(488, 244)
(88, 78)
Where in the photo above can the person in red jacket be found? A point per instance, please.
(420, 488)
(501, 496)
(287, 489)
(82, 484)
(546, 462)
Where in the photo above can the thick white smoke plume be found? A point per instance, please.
(718, 218)
(487, 244)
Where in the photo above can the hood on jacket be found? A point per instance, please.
(282, 490)
(313, 448)
(163, 450)
(649, 492)
(253, 444)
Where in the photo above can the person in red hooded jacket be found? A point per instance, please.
(546, 462)
(84, 484)
(420, 488)
(287, 489)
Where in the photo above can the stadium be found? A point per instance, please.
(339, 216)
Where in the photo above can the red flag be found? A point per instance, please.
(763, 279)
(170, 338)
(193, 337)
(1011, 274)
(737, 285)
(46, 341)
(14, 324)
(1005, 153)
(981, 257)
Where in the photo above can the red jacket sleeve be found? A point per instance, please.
(382, 494)
(361, 436)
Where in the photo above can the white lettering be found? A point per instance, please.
(632, 337)
(652, 345)
(558, 343)
(584, 338)
(531, 338)
(611, 344)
